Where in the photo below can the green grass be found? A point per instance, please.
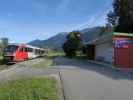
(53, 54)
(29, 89)
(81, 57)
(46, 62)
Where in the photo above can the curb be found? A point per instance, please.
(62, 91)
(62, 88)
(103, 64)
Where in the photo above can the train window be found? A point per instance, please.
(37, 51)
(11, 48)
(22, 49)
(29, 50)
(26, 49)
(42, 52)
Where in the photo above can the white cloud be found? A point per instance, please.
(86, 24)
(95, 20)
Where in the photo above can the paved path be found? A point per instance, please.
(25, 69)
(84, 81)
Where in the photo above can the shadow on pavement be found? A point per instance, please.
(104, 70)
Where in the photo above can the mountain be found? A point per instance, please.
(90, 33)
(57, 41)
(54, 42)
(35, 42)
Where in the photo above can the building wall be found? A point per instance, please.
(104, 52)
(123, 51)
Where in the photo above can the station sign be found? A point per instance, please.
(122, 42)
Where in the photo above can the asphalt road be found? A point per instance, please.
(81, 80)
(85, 81)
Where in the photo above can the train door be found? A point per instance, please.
(21, 54)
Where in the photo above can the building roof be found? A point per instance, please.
(102, 39)
(107, 38)
(123, 34)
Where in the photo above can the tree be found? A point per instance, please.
(3, 44)
(122, 16)
(72, 44)
(112, 19)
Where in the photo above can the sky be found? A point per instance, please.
(25, 20)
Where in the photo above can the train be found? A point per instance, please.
(21, 52)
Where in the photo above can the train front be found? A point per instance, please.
(9, 53)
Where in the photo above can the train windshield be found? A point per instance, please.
(11, 48)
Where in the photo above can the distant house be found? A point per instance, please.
(103, 48)
(115, 48)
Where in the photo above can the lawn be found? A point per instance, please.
(29, 89)
(45, 62)
(53, 54)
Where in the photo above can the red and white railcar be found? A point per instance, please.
(21, 52)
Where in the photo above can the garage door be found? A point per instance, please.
(104, 52)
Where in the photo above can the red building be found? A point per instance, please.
(123, 50)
